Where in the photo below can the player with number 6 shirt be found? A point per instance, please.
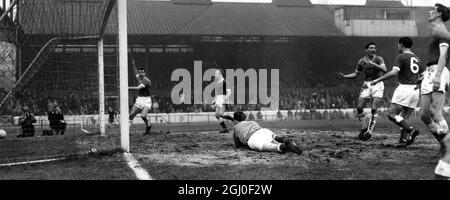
(407, 66)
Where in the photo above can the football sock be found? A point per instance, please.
(282, 148)
(271, 147)
(435, 129)
(443, 127)
(403, 123)
(372, 122)
(362, 120)
(222, 124)
(281, 139)
(146, 121)
(442, 169)
(393, 119)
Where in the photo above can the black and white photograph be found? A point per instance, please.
(224, 90)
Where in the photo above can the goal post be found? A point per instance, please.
(70, 63)
(101, 88)
(123, 75)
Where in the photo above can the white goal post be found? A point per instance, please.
(123, 75)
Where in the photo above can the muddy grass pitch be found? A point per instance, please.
(196, 151)
(331, 151)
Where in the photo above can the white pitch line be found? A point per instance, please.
(30, 162)
(140, 172)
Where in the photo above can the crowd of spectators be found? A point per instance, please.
(37, 101)
(75, 103)
(297, 92)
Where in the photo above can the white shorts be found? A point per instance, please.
(259, 138)
(372, 91)
(142, 102)
(427, 84)
(220, 101)
(406, 95)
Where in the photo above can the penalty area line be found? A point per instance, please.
(140, 172)
(31, 162)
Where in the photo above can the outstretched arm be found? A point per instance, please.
(390, 74)
(443, 49)
(347, 76)
(135, 70)
(228, 94)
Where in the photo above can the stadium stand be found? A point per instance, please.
(244, 35)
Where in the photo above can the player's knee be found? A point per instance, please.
(437, 117)
(425, 116)
(446, 141)
(392, 112)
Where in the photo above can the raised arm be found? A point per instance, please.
(443, 50)
(135, 70)
(359, 68)
(228, 93)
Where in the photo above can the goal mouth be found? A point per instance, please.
(55, 70)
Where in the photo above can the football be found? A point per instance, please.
(2, 133)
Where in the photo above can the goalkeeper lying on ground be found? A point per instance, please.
(250, 134)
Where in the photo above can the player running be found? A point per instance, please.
(373, 67)
(250, 134)
(435, 84)
(221, 94)
(143, 102)
(407, 66)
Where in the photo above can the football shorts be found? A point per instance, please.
(143, 102)
(371, 91)
(427, 82)
(406, 95)
(259, 138)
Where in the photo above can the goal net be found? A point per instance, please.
(49, 65)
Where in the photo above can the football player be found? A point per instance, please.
(373, 67)
(407, 66)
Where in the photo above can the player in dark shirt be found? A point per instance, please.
(143, 102)
(250, 134)
(221, 94)
(373, 67)
(435, 85)
(112, 114)
(407, 66)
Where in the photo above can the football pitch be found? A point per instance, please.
(196, 151)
